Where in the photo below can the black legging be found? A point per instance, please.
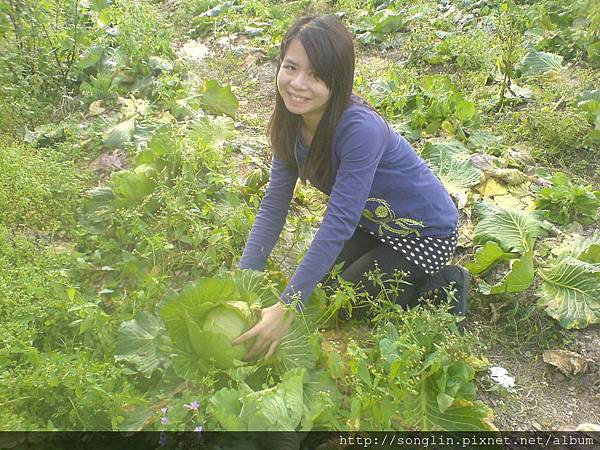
(362, 251)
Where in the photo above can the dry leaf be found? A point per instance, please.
(250, 60)
(95, 109)
(520, 190)
(165, 117)
(483, 161)
(107, 161)
(496, 308)
(593, 427)
(194, 51)
(569, 363)
(465, 235)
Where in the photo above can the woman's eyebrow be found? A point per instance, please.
(289, 61)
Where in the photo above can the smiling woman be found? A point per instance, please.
(386, 208)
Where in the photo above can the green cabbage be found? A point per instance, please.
(207, 315)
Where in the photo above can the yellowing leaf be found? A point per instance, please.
(511, 177)
(508, 201)
(491, 188)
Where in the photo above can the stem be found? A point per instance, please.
(54, 51)
(73, 53)
(16, 28)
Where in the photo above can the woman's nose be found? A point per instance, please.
(298, 81)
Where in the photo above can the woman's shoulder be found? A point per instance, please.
(359, 115)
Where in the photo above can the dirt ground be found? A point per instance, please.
(543, 398)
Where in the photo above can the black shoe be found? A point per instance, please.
(449, 278)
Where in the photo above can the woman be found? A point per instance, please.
(385, 208)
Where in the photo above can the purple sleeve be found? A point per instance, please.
(270, 218)
(361, 142)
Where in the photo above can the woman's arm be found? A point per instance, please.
(271, 216)
(362, 138)
(362, 148)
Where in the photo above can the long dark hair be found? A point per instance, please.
(330, 49)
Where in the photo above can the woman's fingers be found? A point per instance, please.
(247, 335)
(272, 348)
(259, 346)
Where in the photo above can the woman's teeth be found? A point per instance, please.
(298, 99)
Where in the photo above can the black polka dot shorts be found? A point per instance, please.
(427, 252)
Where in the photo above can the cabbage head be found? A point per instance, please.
(207, 315)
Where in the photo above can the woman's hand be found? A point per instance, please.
(270, 329)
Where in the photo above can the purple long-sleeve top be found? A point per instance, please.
(379, 181)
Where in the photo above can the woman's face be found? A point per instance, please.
(302, 92)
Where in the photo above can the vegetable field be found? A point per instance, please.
(133, 158)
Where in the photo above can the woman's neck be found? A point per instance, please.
(308, 128)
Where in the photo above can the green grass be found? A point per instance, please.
(39, 191)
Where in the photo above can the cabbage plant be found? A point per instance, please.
(207, 315)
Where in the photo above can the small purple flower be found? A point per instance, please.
(164, 420)
(162, 439)
(198, 429)
(193, 406)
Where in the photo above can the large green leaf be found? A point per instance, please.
(437, 147)
(186, 362)
(485, 257)
(119, 135)
(386, 21)
(425, 413)
(212, 132)
(587, 249)
(131, 187)
(141, 342)
(514, 229)
(219, 99)
(535, 62)
(278, 408)
(91, 57)
(226, 406)
(570, 292)
(450, 162)
(298, 348)
(518, 279)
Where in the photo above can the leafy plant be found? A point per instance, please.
(204, 319)
(511, 26)
(535, 62)
(450, 161)
(570, 291)
(564, 202)
(590, 103)
(377, 27)
(434, 104)
(514, 230)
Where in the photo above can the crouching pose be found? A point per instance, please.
(386, 207)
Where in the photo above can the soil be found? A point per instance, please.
(543, 398)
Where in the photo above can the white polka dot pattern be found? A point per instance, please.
(429, 253)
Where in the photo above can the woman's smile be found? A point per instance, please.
(298, 98)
